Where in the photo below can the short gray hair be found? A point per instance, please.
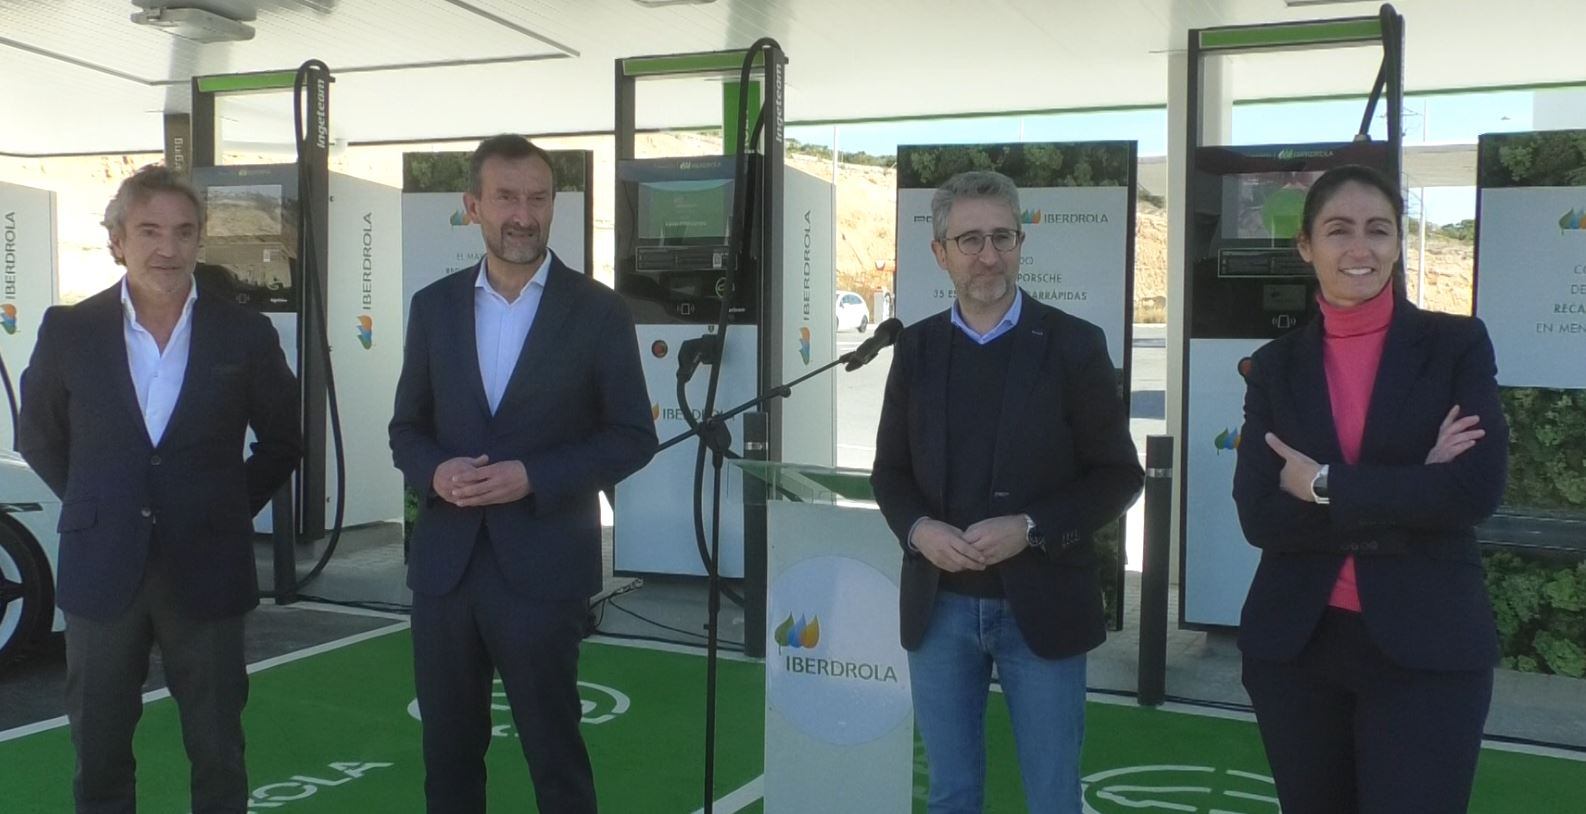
(973, 184)
(142, 186)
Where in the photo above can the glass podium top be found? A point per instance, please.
(773, 481)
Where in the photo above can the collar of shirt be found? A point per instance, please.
(1009, 320)
(482, 281)
(130, 311)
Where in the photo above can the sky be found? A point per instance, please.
(1428, 119)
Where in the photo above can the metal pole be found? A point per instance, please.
(755, 432)
(1420, 272)
(1152, 679)
(283, 534)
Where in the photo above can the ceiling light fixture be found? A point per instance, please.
(194, 24)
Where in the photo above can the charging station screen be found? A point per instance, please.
(1248, 279)
(1265, 205)
(674, 216)
(684, 212)
(243, 211)
(250, 248)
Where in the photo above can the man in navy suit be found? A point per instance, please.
(1003, 446)
(521, 398)
(134, 411)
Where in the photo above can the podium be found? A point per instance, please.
(839, 724)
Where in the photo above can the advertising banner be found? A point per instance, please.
(1531, 261)
(27, 287)
(1218, 564)
(364, 300)
(839, 725)
(808, 289)
(1530, 279)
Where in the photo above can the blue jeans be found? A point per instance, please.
(950, 674)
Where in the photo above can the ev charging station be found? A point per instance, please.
(1245, 284)
(265, 234)
(27, 285)
(673, 218)
(438, 238)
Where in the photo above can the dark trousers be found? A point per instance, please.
(460, 640)
(1346, 730)
(106, 665)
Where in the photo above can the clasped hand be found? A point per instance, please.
(983, 544)
(478, 482)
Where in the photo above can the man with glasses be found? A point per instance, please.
(1003, 446)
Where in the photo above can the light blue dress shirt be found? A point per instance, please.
(500, 327)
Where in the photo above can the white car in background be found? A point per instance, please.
(852, 313)
(29, 512)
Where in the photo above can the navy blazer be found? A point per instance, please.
(82, 432)
(576, 413)
(1064, 456)
(1410, 525)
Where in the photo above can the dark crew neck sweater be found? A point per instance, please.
(976, 377)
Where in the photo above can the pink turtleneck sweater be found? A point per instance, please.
(1352, 343)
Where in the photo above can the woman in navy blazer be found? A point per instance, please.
(1373, 444)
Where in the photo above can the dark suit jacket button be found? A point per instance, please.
(154, 461)
(146, 511)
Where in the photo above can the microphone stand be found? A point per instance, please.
(713, 427)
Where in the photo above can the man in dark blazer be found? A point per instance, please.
(134, 411)
(521, 398)
(1003, 447)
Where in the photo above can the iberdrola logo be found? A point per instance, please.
(1573, 220)
(655, 411)
(1227, 439)
(8, 318)
(366, 330)
(460, 217)
(804, 344)
(800, 634)
(1028, 216)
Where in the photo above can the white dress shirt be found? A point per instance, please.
(157, 376)
(500, 327)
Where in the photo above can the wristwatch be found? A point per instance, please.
(1319, 487)
(1035, 539)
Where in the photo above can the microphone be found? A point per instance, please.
(886, 333)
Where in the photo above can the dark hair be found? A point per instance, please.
(141, 186)
(1334, 179)
(509, 146)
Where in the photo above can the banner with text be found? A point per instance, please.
(27, 237)
(1531, 256)
(1530, 280)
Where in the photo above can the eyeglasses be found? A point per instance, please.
(1003, 240)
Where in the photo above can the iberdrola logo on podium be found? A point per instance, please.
(800, 634)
